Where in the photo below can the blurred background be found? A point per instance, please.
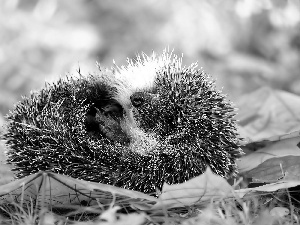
(244, 44)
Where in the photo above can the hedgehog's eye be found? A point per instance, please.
(137, 99)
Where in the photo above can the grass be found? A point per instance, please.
(258, 209)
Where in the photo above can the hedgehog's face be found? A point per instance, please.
(153, 112)
(160, 110)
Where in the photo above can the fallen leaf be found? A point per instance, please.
(62, 191)
(199, 189)
(267, 188)
(268, 112)
(272, 149)
(274, 169)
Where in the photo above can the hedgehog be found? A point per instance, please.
(138, 126)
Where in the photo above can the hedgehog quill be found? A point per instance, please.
(135, 126)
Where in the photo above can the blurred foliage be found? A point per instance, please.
(245, 44)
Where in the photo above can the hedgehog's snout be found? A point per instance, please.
(106, 121)
(145, 107)
(140, 97)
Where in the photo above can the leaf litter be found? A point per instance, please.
(270, 126)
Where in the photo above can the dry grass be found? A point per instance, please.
(264, 209)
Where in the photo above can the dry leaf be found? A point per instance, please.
(267, 188)
(282, 146)
(199, 189)
(264, 113)
(274, 169)
(63, 191)
(268, 112)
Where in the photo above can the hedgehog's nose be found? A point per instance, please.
(137, 99)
